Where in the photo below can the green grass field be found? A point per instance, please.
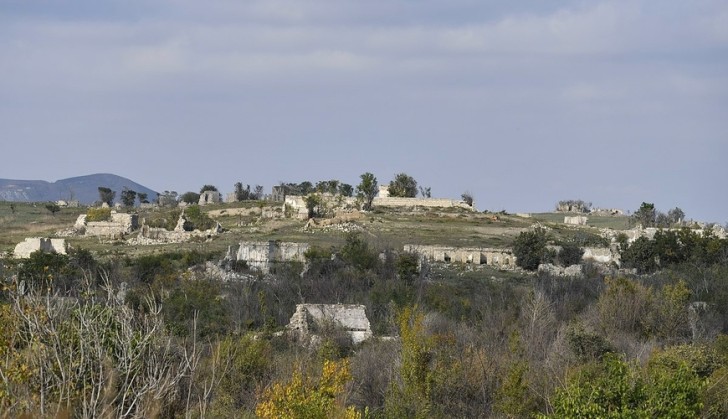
(598, 221)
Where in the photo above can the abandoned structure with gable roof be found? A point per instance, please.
(309, 319)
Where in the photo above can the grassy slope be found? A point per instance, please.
(31, 220)
(614, 222)
(385, 227)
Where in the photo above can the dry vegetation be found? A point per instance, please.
(161, 338)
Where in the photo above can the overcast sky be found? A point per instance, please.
(522, 103)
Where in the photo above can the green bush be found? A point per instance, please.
(199, 219)
(530, 249)
(570, 254)
(200, 301)
(407, 269)
(358, 253)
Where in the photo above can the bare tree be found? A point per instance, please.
(93, 355)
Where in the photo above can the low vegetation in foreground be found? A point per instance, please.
(113, 330)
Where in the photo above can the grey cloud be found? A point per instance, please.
(522, 103)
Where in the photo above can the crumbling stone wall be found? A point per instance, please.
(210, 197)
(351, 318)
(573, 206)
(34, 244)
(262, 255)
(500, 258)
(152, 235)
(119, 225)
(604, 255)
(383, 191)
(420, 202)
(578, 220)
(297, 204)
(649, 232)
(180, 234)
(573, 270)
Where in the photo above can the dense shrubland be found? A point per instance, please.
(151, 336)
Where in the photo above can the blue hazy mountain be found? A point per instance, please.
(84, 189)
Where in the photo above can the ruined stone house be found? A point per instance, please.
(210, 197)
(182, 232)
(119, 225)
(24, 249)
(263, 255)
(309, 319)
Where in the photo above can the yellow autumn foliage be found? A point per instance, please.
(305, 397)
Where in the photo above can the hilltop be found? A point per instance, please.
(81, 188)
(259, 283)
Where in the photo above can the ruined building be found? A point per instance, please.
(210, 197)
(310, 319)
(34, 244)
(119, 225)
(500, 258)
(263, 255)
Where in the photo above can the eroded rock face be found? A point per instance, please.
(310, 318)
(34, 244)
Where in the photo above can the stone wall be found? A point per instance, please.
(310, 318)
(600, 255)
(649, 232)
(578, 220)
(210, 197)
(607, 211)
(34, 244)
(297, 204)
(262, 255)
(119, 225)
(152, 235)
(383, 191)
(500, 258)
(573, 270)
(420, 202)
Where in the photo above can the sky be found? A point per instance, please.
(521, 104)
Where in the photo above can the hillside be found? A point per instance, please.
(270, 303)
(82, 188)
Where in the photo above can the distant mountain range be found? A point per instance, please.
(84, 189)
